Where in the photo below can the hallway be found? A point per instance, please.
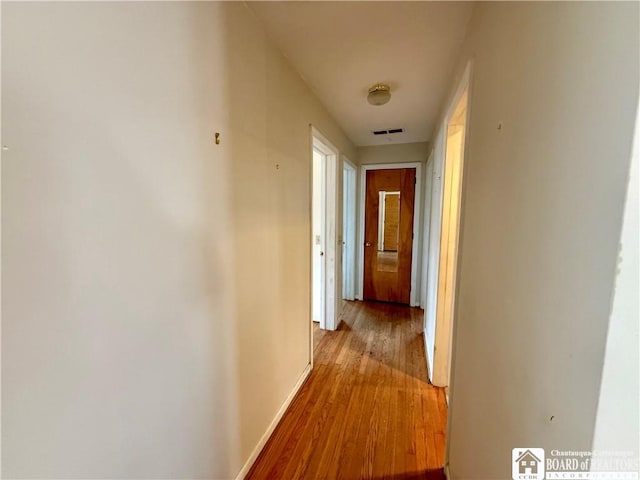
(159, 240)
(366, 411)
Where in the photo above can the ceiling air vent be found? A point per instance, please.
(387, 132)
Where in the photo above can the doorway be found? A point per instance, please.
(325, 255)
(454, 154)
(318, 237)
(388, 233)
(445, 231)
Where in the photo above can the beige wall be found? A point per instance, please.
(543, 206)
(155, 286)
(394, 153)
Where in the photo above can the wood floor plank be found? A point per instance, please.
(366, 411)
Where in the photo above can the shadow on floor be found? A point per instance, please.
(387, 321)
(437, 474)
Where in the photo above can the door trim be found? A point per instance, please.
(322, 304)
(333, 176)
(426, 226)
(464, 84)
(414, 298)
(349, 228)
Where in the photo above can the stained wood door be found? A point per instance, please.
(390, 196)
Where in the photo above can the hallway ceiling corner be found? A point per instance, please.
(342, 48)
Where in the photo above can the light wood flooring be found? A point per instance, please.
(366, 411)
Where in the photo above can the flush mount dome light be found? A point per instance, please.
(379, 94)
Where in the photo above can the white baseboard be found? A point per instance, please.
(446, 472)
(256, 451)
(429, 359)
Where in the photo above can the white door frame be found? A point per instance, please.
(430, 175)
(426, 213)
(317, 259)
(442, 359)
(332, 215)
(465, 85)
(414, 299)
(349, 182)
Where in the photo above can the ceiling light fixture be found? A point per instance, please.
(379, 94)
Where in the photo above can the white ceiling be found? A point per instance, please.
(343, 48)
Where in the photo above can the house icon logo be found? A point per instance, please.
(527, 463)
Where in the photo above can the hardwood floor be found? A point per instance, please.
(367, 410)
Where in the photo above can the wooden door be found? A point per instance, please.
(388, 226)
